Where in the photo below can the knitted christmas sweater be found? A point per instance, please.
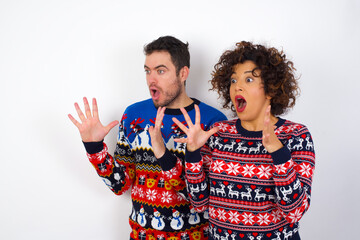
(250, 193)
(160, 206)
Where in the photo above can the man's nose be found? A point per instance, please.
(151, 78)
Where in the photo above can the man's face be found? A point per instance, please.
(164, 85)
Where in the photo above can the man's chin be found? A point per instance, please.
(156, 103)
(165, 102)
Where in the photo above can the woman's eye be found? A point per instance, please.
(233, 80)
(249, 79)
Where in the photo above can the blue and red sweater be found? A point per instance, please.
(160, 206)
(250, 193)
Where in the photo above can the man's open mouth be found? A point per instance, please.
(155, 93)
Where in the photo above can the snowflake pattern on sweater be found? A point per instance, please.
(250, 193)
(161, 207)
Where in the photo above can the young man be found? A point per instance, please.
(146, 153)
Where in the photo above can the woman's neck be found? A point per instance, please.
(257, 125)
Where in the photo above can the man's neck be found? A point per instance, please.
(181, 102)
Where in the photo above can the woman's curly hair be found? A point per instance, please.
(277, 74)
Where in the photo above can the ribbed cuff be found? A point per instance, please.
(93, 147)
(167, 161)
(193, 157)
(281, 156)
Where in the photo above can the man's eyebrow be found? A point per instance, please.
(159, 66)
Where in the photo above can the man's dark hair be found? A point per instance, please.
(178, 50)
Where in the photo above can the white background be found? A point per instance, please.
(52, 53)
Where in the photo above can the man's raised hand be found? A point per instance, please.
(90, 127)
(157, 140)
(196, 136)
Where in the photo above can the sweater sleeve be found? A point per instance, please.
(117, 172)
(173, 169)
(197, 170)
(293, 173)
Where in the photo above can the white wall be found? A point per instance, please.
(52, 53)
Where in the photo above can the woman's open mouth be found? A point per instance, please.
(240, 103)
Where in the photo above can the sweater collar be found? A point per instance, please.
(176, 111)
(258, 134)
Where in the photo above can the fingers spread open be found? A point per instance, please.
(87, 108)
(180, 125)
(159, 117)
(79, 112)
(181, 140)
(111, 125)
(73, 120)
(95, 108)
(213, 131)
(197, 115)
(267, 120)
(187, 117)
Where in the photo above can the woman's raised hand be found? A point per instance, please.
(270, 140)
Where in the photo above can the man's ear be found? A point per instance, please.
(184, 73)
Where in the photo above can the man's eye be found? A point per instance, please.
(249, 79)
(233, 80)
(161, 71)
(147, 71)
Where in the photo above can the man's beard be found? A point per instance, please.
(170, 96)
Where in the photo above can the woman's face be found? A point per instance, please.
(247, 93)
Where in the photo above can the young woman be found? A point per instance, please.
(253, 173)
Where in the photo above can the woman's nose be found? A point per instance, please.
(238, 86)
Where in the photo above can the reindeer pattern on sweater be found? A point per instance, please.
(250, 193)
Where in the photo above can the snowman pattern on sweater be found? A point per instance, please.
(141, 217)
(177, 221)
(157, 221)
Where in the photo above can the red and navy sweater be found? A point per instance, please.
(160, 206)
(250, 193)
